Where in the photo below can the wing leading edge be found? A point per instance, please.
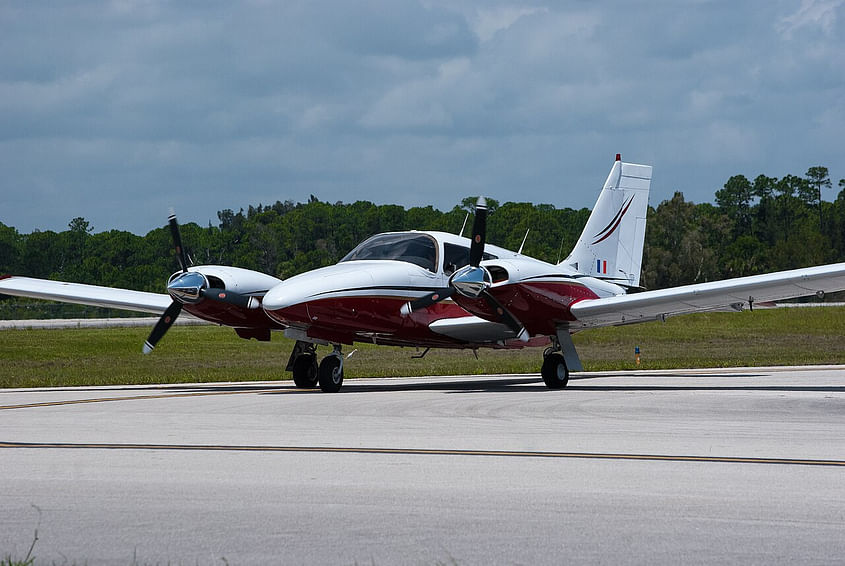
(92, 295)
(730, 293)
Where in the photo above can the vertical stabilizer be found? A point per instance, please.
(611, 245)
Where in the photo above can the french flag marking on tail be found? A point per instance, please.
(601, 266)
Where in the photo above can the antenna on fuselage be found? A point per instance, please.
(522, 245)
(464, 225)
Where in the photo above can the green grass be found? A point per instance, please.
(9, 561)
(38, 358)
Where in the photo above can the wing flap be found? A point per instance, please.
(92, 295)
(718, 295)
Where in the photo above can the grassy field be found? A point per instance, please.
(38, 358)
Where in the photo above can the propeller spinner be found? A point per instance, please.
(473, 280)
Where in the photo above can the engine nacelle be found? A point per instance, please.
(243, 281)
(245, 289)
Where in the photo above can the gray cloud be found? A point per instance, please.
(117, 110)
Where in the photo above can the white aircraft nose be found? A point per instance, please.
(330, 281)
(285, 303)
(299, 289)
(279, 297)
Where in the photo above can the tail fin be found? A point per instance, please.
(611, 245)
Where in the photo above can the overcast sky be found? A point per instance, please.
(116, 111)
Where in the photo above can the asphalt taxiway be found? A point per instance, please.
(740, 465)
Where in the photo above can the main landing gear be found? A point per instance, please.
(307, 374)
(554, 371)
(559, 359)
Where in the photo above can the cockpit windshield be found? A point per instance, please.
(419, 249)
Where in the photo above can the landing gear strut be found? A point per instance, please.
(560, 359)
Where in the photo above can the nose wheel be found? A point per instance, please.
(305, 370)
(303, 364)
(307, 374)
(331, 372)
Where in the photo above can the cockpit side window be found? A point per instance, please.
(455, 257)
(419, 249)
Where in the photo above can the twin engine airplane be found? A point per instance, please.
(439, 290)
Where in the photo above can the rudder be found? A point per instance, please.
(611, 245)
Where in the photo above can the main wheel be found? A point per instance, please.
(331, 374)
(555, 373)
(305, 371)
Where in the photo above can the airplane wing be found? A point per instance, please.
(91, 295)
(718, 295)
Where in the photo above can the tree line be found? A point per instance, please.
(755, 226)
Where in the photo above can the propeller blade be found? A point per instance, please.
(426, 301)
(163, 324)
(505, 316)
(177, 242)
(230, 297)
(479, 232)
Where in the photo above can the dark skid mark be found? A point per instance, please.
(479, 384)
(419, 452)
(286, 388)
(207, 393)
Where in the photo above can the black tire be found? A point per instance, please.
(555, 373)
(305, 371)
(331, 374)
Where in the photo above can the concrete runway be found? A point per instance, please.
(698, 466)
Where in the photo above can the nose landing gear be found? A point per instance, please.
(307, 374)
(305, 370)
(303, 364)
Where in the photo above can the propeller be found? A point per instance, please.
(190, 287)
(473, 280)
(163, 324)
(177, 241)
(479, 233)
